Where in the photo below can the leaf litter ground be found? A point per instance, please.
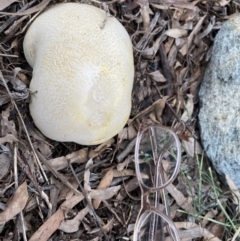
(44, 183)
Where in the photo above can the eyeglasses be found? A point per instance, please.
(157, 162)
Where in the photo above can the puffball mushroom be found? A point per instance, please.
(82, 73)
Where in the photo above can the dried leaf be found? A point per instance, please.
(52, 224)
(145, 111)
(123, 134)
(104, 194)
(105, 183)
(130, 186)
(187, 114)
(6, 3)
(208, 29)
(216, 228)
(101, 148)
(22, 91)
(179, 4)
(195, 31)
(145, 13)
(157, 76)
(176, 33)
(172, 56)
(75, 157)
(128, 133)
(71, 226)
(223, 2)
(49, 227)
(194, 231)
(43, 147)
(37, 8)
(183, 202)
(185, 225)
(235, 191)
(109, 225)
(4, 164)
(87, 186)
(121, 166)
(159, 107)
(210, 214)
(16, 205)
(8, 126)
(4, 97)
(123, 173)
(9, 138)
(192, 146)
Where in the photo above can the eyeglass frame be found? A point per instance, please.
(146, 191)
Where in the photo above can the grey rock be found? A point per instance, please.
(219, 116)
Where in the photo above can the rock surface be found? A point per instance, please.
(219, 116)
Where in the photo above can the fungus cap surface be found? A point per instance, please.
(82, 73)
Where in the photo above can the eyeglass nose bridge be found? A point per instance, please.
(157, 157)
(147, 205)
(146, 189)
(161, 210)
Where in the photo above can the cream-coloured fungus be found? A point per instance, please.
(82, 73)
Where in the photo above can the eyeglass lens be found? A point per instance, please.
(154, 228)
(157, 156)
